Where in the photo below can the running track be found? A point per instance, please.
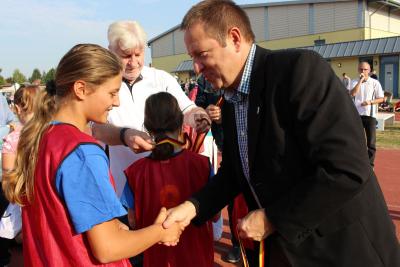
(387, 168)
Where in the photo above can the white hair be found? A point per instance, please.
(126, 35)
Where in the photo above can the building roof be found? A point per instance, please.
(184, 66)
(381, 46)
(391, 3)
(281, 3)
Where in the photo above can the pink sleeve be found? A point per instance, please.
(10, 144)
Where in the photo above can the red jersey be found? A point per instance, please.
(168, 183)
(49, 238)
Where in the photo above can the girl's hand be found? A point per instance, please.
(170, 236)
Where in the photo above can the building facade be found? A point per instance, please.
(317, 25)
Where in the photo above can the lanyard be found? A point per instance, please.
(261, 253)
(177, 143)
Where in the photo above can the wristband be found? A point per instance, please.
(122, 136)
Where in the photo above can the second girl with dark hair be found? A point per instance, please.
(165, 178)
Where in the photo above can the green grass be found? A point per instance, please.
(390, 137)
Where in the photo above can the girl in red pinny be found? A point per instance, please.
(167, 177)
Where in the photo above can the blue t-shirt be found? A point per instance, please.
(83, 183)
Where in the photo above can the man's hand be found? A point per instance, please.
(181, 214)
(255, 226)
(198, 119)
(214, 112)
(366, 103)
(363, 77)
(138, 141)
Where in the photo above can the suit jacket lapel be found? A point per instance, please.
(257, 85)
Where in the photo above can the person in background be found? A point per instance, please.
(293, 144)
(346, 81)
(125, 133)
(62, 177)
(373, 75)
(23, 104)
(367, 94)
(165, 178)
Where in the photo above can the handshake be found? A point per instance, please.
(172, 222)
(255, 225)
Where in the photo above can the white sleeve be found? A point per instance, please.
(378, 90)
(172, 86)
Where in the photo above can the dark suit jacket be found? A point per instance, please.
(308, 166)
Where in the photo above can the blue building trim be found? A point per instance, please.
(384, 60)
(311, 19)
(266, 24)
(360, 14)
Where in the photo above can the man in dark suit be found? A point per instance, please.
(293, 144)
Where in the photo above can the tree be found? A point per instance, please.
(18, 77)
(35, 76)
(2, 81)
(49, 75)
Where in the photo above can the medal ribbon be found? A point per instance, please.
(198, 141)
(261, 252)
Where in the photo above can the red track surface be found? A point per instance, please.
(387, 168)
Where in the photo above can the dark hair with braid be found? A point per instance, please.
(161, 115)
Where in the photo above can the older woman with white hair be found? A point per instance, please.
(124, 132)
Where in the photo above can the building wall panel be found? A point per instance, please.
(380, 19)
(278, 22)
(298, 20)
(394, 22)
(346, 15)
(324, 17)
(180, 47)
(163, 46)
(257, 21)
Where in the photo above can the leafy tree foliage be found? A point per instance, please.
(2, 81)
(18, 77)
(49, 75)
(36, 75)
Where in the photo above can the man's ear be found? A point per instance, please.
(80, 89)
(235, 36)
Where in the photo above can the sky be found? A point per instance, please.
(37, 33)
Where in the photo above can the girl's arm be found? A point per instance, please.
(8, 161)
(111, 243)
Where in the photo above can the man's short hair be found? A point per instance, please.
(364, 62)
(218, 16)
(126, 35)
